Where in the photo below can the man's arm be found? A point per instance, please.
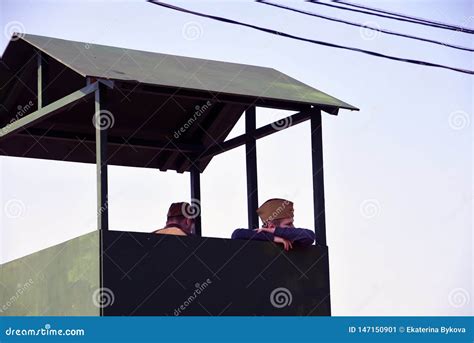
(301, 237)
(252, 234)
(261, 236)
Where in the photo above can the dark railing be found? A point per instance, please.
(128, 273)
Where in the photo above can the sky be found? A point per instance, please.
(398, 173)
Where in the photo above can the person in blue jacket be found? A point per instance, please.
(277, 216)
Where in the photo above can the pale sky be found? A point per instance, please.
(398, 174)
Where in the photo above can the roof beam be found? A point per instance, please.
(261, 132)
(212, 96)
(196, 122)
(47, 111)
(215, 133)
(13, 87)
(112, 141)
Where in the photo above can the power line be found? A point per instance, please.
(392, 15)
(458, 28)
(364, 26)
(287, 35)
(420, 22)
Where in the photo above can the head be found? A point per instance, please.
(277, 213)
(282, 222)
(180, 213)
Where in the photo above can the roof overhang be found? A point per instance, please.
(166, 111)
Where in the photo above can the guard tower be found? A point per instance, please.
(177, 115)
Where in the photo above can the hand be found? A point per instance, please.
(266, 229)
(286, 243)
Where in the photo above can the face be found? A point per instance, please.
(285, 223)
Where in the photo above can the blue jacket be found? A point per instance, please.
(299, 237)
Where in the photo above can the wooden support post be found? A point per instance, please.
(251, 167)
(318, 178)
(196, 198)
(101, 119)
(41, 79)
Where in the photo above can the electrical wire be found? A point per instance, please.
(431, 24)
(364, 26)
(287, 35)
(458, 28)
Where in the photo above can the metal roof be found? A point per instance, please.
(154, 96)
(115, 63)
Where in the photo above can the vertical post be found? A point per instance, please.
(196, 198)
(101, 131)
(318, 178)
(41, 80)
(251, 166)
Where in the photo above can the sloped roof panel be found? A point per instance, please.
(181, 72)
